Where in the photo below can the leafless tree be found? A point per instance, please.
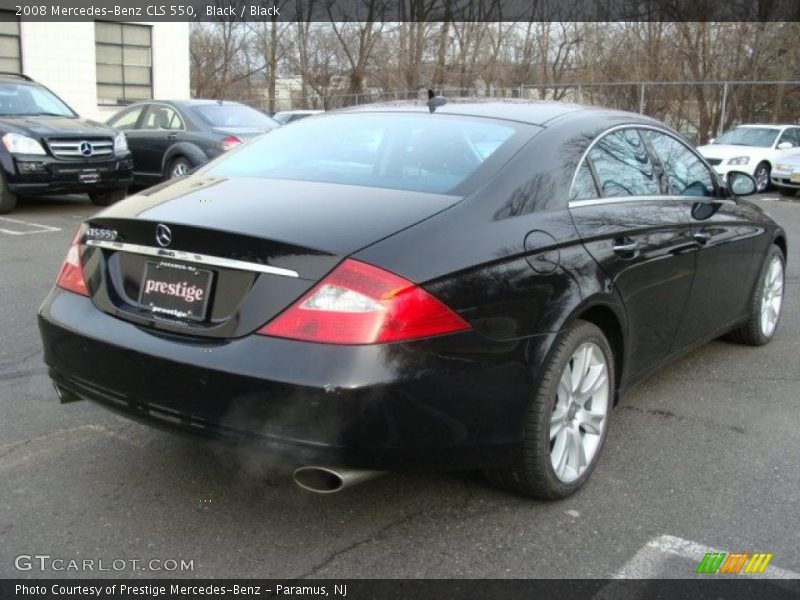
(471, 50)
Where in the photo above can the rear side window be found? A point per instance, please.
(415, 152)
(623, 165)
(685, 172)
(161, 117)
(583, 188)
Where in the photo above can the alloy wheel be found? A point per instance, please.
(772, 297)
(761, 176)
(180, 168)
(580, 412)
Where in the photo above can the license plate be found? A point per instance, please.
(794, 177)
(89, 177)
(175, 290)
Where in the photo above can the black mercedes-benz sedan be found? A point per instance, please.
(169, 138)
(397, 287)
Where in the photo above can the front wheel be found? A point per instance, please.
(761, 176)
(764, 310)
(8, 201)
(567, 421)
(108, 197)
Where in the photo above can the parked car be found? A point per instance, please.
(752, 149)
(290, 116)
(476, 290)
(169, 138)
(48, 149)
(786, 175)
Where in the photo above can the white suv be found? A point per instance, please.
(754, 149)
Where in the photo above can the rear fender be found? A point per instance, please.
(191, 151)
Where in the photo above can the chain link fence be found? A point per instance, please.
(698, 109)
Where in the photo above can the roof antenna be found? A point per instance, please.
(435, 100)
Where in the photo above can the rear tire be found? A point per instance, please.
(766, 303)
(108, 197)
(179, 167)
(567, 420)
(8, 201)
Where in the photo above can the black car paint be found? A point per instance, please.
(154, 150)
(455, 401)
(39, 174)
(420, 404)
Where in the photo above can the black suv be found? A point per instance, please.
(47, 149)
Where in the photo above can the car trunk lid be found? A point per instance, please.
(243, 133)
(247, 247)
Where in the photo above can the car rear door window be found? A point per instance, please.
(160, 116)
(583, 187)
(623, 165)
(685, 172)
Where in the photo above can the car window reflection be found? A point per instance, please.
(685, 172)
(623, 165)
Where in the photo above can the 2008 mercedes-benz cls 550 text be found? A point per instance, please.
(460, 286)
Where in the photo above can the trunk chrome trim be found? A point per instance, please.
(201, 259)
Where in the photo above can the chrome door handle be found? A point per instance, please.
(626, 247)
(702, 237)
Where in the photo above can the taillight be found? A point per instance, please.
(361, 304)
(71, 275)
(230, 142)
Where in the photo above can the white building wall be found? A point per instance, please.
(171, 61)
(62, 57)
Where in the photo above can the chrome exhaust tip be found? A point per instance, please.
(329, 480)
(65, 396)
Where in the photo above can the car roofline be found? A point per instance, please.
(493, 108)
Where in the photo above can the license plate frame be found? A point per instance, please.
(795, 177)
(167, 296)
(89, 176)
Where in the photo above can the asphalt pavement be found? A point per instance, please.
(703, 456)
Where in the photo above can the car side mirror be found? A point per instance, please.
(785, 145)
(741, 184)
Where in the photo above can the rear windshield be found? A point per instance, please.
(30, 100)
(761, 137)
(415, 152)
(233, 115)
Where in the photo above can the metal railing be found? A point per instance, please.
(699, 109)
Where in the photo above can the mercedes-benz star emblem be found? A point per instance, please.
(163, 235)
(86, 149)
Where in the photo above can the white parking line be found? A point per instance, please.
(646, 562)
(651, 562)
(33, 227)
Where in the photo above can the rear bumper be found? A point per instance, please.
(449, 403)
